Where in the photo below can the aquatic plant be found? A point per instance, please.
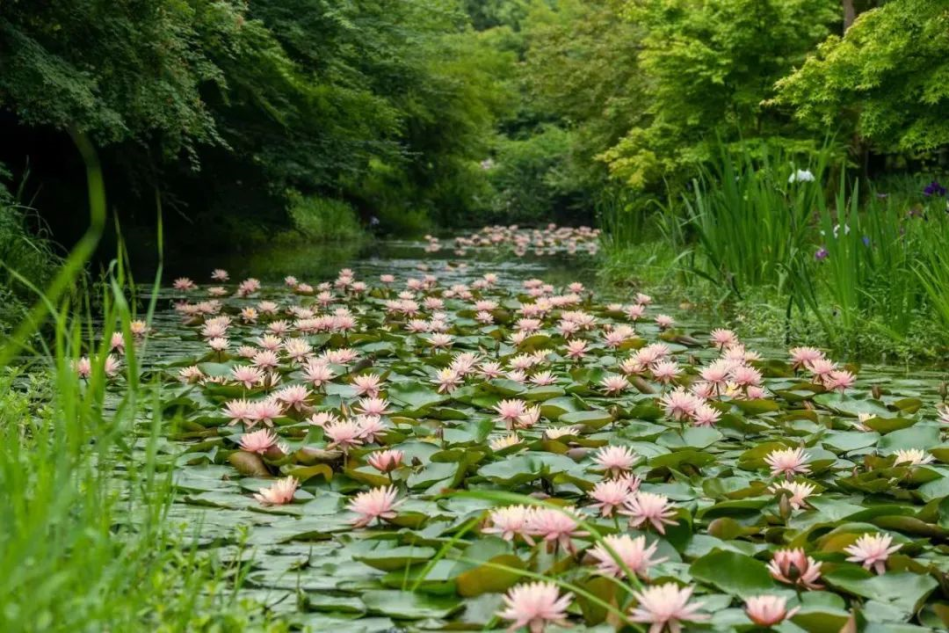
(508, 477)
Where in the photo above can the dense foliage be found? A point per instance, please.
(389, 106)
(709, 66)
(887, 78)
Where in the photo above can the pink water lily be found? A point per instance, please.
(768, 610)
(872, 551)
(633, 553)
(279, 493)
(646, 508)
(666, 607)
(377, 504)
(794, 567)
(535, 605)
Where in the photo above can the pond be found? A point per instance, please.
(418, 420)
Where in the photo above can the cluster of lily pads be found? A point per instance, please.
(552, 240)
(490, 455)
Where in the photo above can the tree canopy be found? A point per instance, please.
(887, 77)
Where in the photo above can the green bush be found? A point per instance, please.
(323, 219)
(532, 177)
(403, 221)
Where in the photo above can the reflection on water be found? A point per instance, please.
(319, 262)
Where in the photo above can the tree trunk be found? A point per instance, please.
(850, 14)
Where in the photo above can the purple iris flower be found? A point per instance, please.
(821, 254)
(934, 189)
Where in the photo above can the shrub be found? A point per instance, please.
(323, 219)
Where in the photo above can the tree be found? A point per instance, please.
(887, 78)
(709, 65)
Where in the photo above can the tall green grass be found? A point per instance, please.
(752, 225)
(83, 541)
(867, 268)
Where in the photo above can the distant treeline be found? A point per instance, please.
(246, 118)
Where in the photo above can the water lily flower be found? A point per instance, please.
(117, 343)
(239, 411)
(788, 462)
(614, 384)
(794, 567)
(556, 432)
(281, 492)
(839, 381)
(535, 605)
(871, 551)
(386, 461)
(297, 349)
(505, 441)
(510, 522)
(373, 406)
(609, 495)
(509, 411)
(632, 552)
(705, 415)
(635, 312)
(722, 338)
(802, 357)
(139, 328)
(367, 385)
(265, 411)
(665, 371)
(219, 274)
(344, 434)
(268, 307)
(190, 374)
(744, 376)
(270, 342)
(342, 356)
(184, 283)
(441, 341)
(317, 373)
(370, 427)
(649, 508)
(294, 397)
(666, 606)
(322, 419)
(529, 418)
(555, 527)
(679, 404)
(249, 314)
(377, 504)
(464, 363)
(768, 610)
(247, 375)
(576, 349)
(797, 493)
(913, 457)
(664, 321)
(258, 442)
(615, 459)
(544, 379)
